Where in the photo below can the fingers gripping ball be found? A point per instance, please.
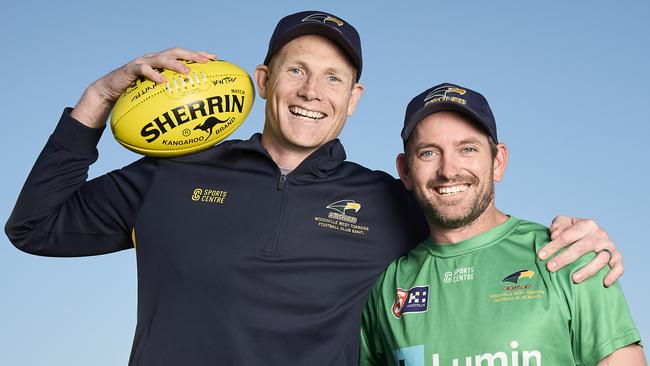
(189, 113)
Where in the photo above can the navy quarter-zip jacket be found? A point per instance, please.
(237, 263)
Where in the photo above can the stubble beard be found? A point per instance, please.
(436, 216)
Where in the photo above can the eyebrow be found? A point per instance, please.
(292, 63)
(423, 145)
(473, 140)
(335, 70)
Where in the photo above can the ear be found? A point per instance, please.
(404, 172)
(357, 91)
(261, 78)
(500, 162)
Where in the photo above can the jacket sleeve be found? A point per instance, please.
(59, 213)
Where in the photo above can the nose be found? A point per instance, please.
(448, 166)
(309, 90)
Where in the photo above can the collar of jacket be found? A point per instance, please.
(321, 162)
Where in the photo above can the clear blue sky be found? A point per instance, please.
(567, 81)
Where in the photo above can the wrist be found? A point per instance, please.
(93, 108)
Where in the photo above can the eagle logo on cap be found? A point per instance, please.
(442, 92)
(323, 18)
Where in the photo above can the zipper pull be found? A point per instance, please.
(283, 179)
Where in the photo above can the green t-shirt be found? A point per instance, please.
(488, 300)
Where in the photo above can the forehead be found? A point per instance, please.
(448, 126)
(313, 48)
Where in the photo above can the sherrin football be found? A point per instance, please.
(188, 113)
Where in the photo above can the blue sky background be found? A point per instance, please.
(567, 82)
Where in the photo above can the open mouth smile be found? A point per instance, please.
(306, 114)
(451, 190)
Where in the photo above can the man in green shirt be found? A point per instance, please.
(474, 293)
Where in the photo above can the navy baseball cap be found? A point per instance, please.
(449, 97)
(317, 23)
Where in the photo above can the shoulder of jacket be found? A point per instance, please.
(361, 171)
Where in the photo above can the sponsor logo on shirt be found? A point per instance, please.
(205, 195)
(414, 356)
(459, 274)
(340, 217)
(413, 300)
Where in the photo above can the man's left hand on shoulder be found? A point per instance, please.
(582, 236)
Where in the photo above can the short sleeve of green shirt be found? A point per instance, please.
(600, 322)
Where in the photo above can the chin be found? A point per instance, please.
(303, 143)
(306, 140)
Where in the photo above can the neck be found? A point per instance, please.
(490, 218)
(286, 158)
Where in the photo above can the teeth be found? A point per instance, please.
(306, 113)
(452, 189)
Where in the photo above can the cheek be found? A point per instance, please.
(282, 89)
(280, 103)
(488, 169)
(480, 167)
(422, 174)
(340, 101)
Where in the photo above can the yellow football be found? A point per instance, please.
(188, 113)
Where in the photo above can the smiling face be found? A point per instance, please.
(451, 169)
(310, 89)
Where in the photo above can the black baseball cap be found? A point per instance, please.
(449, 97)
(318, 23)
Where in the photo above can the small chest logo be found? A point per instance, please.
(340, 209)
(460, 274)
(519, 286)
(516, 276)
(340, 217)
(209, 195)
(413, 300)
